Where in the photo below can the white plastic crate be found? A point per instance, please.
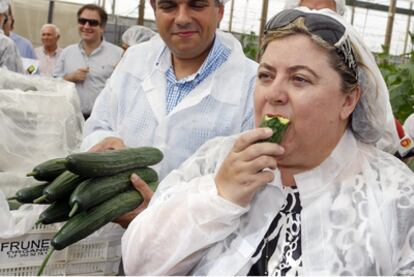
(22, 256)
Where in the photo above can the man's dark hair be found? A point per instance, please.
(102, 13)
(153, 3)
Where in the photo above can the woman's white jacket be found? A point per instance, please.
(357, 218)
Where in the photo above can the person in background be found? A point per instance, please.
(186, 85)
(9, 54)
(49, 52)
(23, 44)
(337, 6)
(136, 34)
(90, 62)
(325, 201)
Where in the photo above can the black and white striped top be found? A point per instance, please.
(280, 251)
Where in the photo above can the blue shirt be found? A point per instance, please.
(24, 45)
(178, 89)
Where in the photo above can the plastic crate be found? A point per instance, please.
(22, 256)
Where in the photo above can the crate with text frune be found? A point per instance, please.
(92, 256)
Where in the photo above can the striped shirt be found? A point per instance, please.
(178, 89)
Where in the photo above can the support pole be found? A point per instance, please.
(263, 19)
(50, 11)
(141, 12)
(390, 23)
(407, 30)
(231, 16)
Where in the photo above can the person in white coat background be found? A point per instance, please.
(183, 87)
(337, 6)
(9, 54)
(325, 201)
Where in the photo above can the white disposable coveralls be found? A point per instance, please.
(357, 218)
(133, 104)
(9, 55)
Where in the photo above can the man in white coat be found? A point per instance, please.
(9, 55)
(183, 87)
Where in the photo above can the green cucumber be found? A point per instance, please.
(48, 170)
(56, 212)
(60, 188)
(97, 164)
(85, 223)
(94, 191)
(29, 194)
(278, 124)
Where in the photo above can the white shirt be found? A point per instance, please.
(47, 62)
(357, 218)
(101, 63)
(9, 54)
(133, 104)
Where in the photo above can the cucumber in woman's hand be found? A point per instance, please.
(278, 124)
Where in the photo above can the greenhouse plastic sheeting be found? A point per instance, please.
(40, 119)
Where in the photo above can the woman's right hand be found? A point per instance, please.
(241, 173)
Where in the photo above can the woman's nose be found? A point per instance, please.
(276, 93)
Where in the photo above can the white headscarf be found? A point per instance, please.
(137, 34)
(373, 119)
(4, 6)
(340, 5)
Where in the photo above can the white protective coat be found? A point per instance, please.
(357, 218)
(133, 104)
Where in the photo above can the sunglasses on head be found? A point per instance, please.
(327, 28)
(92, 22)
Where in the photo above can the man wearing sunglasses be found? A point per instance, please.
(90, 62)
(9, 55)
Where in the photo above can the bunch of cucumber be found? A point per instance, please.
(88, 190)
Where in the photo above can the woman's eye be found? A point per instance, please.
(263, 76)
(300, 79)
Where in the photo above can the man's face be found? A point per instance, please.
(88, 31)
(49, 37)
(188, 26)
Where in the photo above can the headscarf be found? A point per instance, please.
(340, 5)
(4, 6)
(372, 120)
(221, 1)
(137, 34)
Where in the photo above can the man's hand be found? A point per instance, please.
(241, 173)
(109, 143)
(146, 194)
(78, 75)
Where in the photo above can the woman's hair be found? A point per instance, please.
(349, 80)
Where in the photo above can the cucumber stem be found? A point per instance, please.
(40, 199)
(33, 173)
(74, 209)
(43, 265)
(12, 198)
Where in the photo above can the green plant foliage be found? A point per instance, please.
(250, 45)
(400, 81)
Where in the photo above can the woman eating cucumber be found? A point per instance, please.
(324, 200)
